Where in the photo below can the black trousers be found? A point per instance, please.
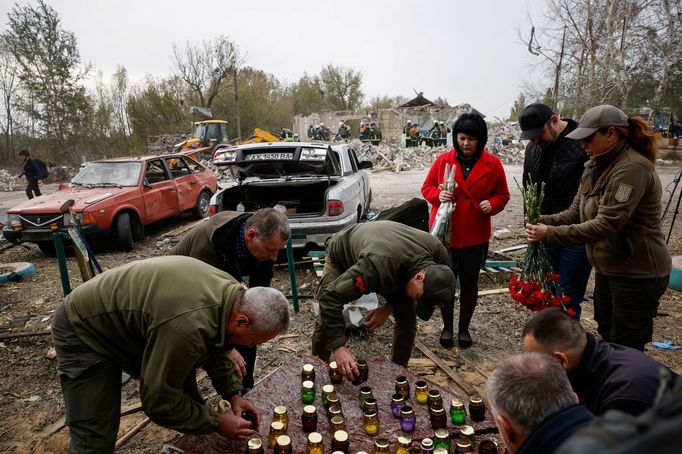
(32, 188)
(625, 307)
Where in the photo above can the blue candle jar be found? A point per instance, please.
(397, 403)
(408, 420)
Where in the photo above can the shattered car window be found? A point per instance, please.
(109, 173)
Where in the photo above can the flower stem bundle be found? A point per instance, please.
(537, 286)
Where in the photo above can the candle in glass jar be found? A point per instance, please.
(308, 373)
(254, 446)
(458, 412)
(308, 392)
(381, 446)
(283, 445)
(340, 442)
(408, 420)
(402, 386)
(476, 408)
(335, 374)
(427, 446)
(487, 447)
(421, 392)
(363, 368)
(314, 444)
(439, 419)
(463, 446)
(403, 444)
(441, 439)
(309, 419)
(397, 402)
(370, 422)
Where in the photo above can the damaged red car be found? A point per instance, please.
(115, 199)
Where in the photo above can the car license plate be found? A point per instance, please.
(269, 156)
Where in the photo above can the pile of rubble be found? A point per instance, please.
(397, 159)
(10, 182)
(59, 174)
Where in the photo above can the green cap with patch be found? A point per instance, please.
(439, 289)
(598, 117)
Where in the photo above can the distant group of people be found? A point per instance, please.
(436, 136)
(195, 310)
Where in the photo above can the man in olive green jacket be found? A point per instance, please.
(158, 319)
(241, 244)
(406, 266)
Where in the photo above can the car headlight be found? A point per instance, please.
(225, 157)
(13, 219)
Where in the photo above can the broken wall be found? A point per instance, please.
(391, 121)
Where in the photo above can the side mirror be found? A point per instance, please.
(365, 165)
(146, 184)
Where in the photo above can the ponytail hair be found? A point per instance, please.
(641, 137)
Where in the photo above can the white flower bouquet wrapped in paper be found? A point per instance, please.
(441, 228)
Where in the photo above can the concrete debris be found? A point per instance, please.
(10, 182)
(502, 234)
(503, 142)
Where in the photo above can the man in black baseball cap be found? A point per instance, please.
(555, 159)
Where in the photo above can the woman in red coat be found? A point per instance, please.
(480, 192)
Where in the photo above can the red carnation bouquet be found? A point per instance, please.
(537, 287)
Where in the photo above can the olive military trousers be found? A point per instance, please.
(624, 308)
(91, 385)
(404, 331)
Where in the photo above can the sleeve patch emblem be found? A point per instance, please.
(360, 284)
(623, 192)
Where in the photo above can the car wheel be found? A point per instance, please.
(124, 232)
(47, 248)
(201, 208)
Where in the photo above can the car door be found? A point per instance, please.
(159, 193)
(363, 178)
(185, 181)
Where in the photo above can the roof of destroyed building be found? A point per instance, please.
(420, 100)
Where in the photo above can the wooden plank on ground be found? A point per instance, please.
(461, 383)
(182, 229)
(510, 249)
(493, 291)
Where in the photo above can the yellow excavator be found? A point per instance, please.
(259, 135)
(206, 135)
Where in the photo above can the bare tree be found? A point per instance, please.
(9, 86)
(204, 67)
(120, 94)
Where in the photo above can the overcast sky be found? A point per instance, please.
(464, 51)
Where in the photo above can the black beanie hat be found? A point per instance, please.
(473, 125)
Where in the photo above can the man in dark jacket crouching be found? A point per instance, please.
(159, 319)
(605, 376)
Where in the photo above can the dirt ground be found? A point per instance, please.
(31, 406)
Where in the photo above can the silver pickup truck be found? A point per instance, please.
(323, 187)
